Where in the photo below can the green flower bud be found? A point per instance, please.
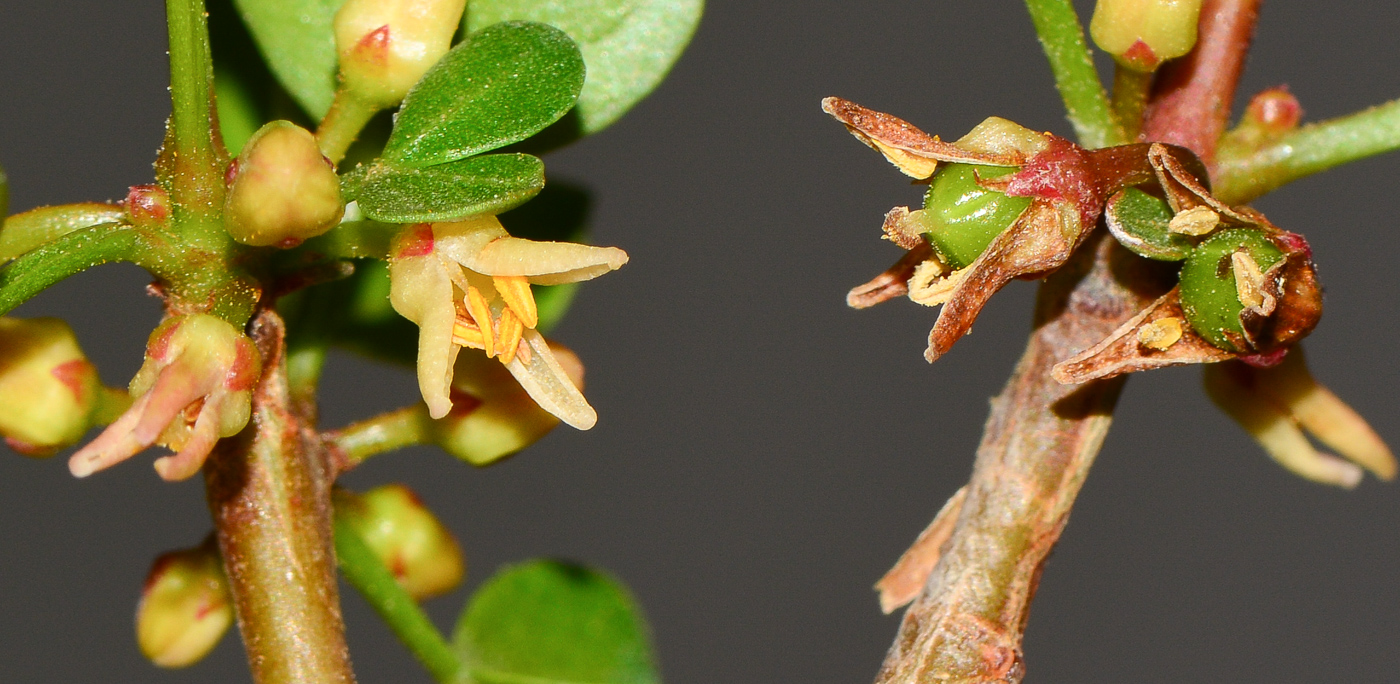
(1141, 34)
(492, 416)
(282, 189)
(47, 387)
(406, 537)
(962, 217)
(1222, 278)
(185, 607)
(385, 46)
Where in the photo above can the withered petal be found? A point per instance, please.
(894, 282)
(1121, 352)
(879, 129)
(1185, 191)
(906, 579)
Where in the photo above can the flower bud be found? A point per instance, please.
(47, 387)
(185, 607)
(406, 537)
(194, 388)
(492, 416)
(962, 217)
(147, 205)
(282, 189)
(385, 46)
(1141, 34)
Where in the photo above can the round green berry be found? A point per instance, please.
(1210, 296)
(963, 217)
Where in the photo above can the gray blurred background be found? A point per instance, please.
(765, 453)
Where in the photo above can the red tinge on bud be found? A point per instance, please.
(194, 388)
(147, 205)
(410, 541)
(185, 608)
(47, 387)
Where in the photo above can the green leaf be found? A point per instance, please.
(628, 45)
(1140, 222)
(547, 622)
(298, 42)
(490, 183)
(499, 86)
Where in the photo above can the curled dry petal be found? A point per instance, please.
(906, 579)
(894, 282)
(917, 153)
(194, 388)
(1235, 390)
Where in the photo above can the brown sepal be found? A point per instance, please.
(871, 126)
(1121, 352)
(1186, 190)
(1299, 297)
(900, 231)
(1036, 243)
(894, 282)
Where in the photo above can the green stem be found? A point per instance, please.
(1130, 90)
(385, 432)
(1062, 36)
(343, 123)
(1243, 175)
(194, 156)
(68, 255)
(376, 583)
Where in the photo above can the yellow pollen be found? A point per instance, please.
(515, 290)
(510, 331)
(480, 313)
(1194, 222)
(1160, 334)
(1249, 281)
(467, 334)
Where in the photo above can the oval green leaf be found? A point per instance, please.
(1140, 222)
(297, 40)
(629, 45)
(490, 183)
(499, 86)
(547, 621)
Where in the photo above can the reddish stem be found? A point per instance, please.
(1191, 102)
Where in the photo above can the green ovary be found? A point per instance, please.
(963, 217)
(1208, 293)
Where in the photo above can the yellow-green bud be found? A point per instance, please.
(47, 387)
(492, 416)
(1141, 34)
(185, 607)
(406, 537)
(385, 46)
(282, 190)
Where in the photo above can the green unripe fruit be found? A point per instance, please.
(1210, 296)
(963, 217)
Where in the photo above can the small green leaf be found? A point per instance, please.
(629, 45)
(551, 622)
(490, 183)
(499, 86)
(1140, 222)
(297, 39)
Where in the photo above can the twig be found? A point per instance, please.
(1086, 103)
(1191, 104)
(1248, 174)
(269, 493)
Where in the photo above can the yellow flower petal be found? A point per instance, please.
(549, 384)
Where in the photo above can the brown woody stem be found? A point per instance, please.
(269, 493)
(1036, 451)
(1042, 437)
(1191, 104)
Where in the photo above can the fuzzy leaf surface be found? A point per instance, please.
(499, 86)
(490, 183)
(628, 45)
(547, 621)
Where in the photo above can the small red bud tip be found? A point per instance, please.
(231, 173)
(417, 243)
(374, 46)
(1141, 57)
(1275, 109)
(147, 205)
(74, 375)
